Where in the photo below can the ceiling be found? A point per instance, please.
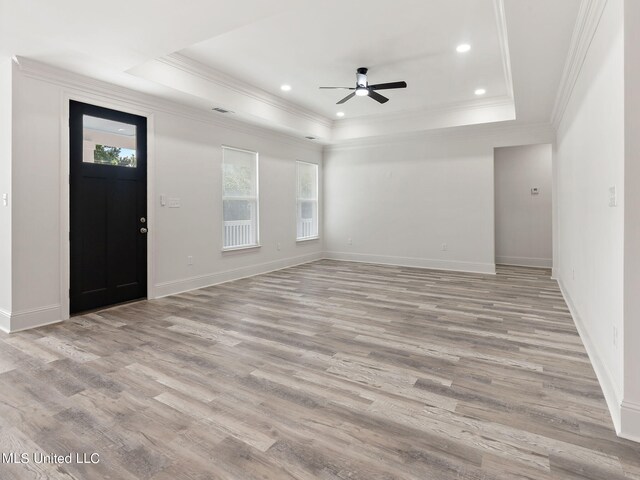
(237, 54)
(325, 42)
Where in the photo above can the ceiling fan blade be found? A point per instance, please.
(377, 97)
(341, 88)
(348, 97)
(387, 86)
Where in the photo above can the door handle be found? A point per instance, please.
(143, 230)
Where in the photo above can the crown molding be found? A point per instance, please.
(193, 67)
(503, 39)
(499, 109)
(584, 30)
(498, 134)
(150, 103)
(435, 111)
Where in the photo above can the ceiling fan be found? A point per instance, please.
(363, 89)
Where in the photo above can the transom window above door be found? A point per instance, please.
(108, 142)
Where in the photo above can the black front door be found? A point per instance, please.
(108, 151)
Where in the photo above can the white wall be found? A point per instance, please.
(590, 159)
(36, 206)
(630, 412)
(188, 166)
(184, 162)
(523, 220)
(400, 199)
(5, 188)
(399, 204)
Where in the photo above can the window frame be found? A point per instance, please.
(257, 199)
(316, 200)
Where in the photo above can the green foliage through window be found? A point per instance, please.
(113, 156)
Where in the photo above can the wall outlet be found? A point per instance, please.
(443, 247)
(349, 241)
(189, 260)
(615, 336)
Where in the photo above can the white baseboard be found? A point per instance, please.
(605, 379)
(413, 262)
(11, 322)
(5, 321)
(630, 421)
(187, 284)
(525, 261)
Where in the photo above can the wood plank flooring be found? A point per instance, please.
(329, 370)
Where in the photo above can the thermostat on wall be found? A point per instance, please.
(535, 191)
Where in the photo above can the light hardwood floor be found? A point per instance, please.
(328, 370)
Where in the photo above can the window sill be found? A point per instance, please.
(307, 239)
(239, 249)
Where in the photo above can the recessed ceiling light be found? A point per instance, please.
(463, 47)
(285, 88)
(340, 114)
(480, 91)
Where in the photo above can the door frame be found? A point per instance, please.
(65, 203)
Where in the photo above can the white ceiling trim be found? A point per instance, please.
(198, 69)
(476, 104)
(149, 103)
(500, 134)
(585, 28)
(499, 109)
(249, 104)
(501, 23)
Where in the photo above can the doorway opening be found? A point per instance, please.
(523, 205)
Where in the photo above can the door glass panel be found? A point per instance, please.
(108, 142)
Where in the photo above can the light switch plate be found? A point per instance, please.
(613, 197)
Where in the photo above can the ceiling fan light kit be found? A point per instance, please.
(363, 89)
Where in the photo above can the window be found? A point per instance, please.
(307, 204)
(239, 198)
(108, 142)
